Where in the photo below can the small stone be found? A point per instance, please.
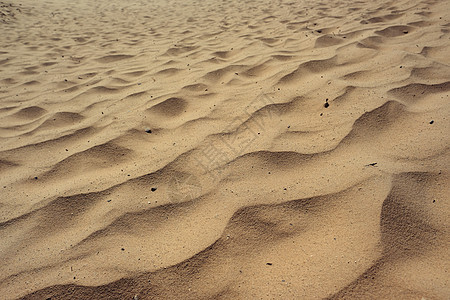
(153, 189)
(326, 105)
(431, 122)
(148, 130)
(123, 249)
(269, 264)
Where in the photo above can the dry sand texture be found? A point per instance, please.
(224, 149)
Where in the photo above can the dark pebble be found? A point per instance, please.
(148, 130)
(431, 122)
(326, 105)
(123, 249)
(35, 177)
(153, 189)
(269, 264)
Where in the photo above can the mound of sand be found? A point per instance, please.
(224, 149)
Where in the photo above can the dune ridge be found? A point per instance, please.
(226, 150)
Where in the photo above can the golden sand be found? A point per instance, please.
(224, 149)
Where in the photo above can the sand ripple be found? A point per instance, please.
(226, 150)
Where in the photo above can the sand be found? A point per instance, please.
(224, 149)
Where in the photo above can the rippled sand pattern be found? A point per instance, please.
(224, 149)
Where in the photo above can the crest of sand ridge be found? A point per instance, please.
(220, 149)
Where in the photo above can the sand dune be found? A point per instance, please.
(224, 149)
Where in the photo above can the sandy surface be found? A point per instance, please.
(224, 149)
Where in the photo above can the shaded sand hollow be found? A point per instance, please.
(224, 149)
